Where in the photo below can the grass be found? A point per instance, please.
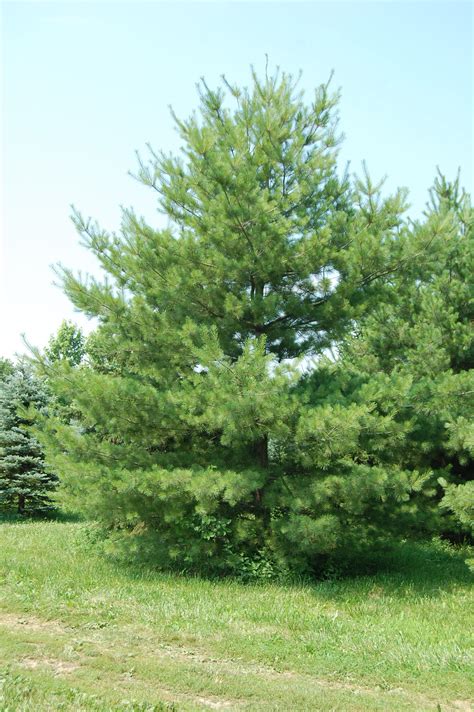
(78, 632)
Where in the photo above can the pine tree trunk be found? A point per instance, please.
(261, 452)
(261, 446)
(21, 504)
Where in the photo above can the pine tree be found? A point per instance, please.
(412, 359)
(25, 482)
(190, 434)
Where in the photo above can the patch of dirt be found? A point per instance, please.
(214, 704)
(26, 622)
(463, 705)
(59, 667)
(238, 667)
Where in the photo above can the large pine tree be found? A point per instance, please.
(190, 436)
(25, 482)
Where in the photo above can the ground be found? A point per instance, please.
(79, 632)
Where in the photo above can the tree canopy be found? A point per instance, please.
(68, 343)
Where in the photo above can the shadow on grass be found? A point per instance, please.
(53, 516)
(404, 569)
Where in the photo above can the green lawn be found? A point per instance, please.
(78, 632)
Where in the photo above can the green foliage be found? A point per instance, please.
(191, 434)
(68, 344)
(6, 368)
(413, 356)
(265, 238)
(25, 481)
(460, 500)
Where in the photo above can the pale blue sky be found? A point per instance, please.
(85, 84)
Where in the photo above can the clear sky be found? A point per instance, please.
(86, 84)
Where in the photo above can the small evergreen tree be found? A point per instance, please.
(25, 482)
(6, 368)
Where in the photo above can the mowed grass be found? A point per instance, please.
(79, 632)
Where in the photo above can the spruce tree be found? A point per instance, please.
(6, 368)
(25, 482)
(190, 441)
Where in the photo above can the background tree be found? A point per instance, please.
(68, 343)
(25, 481)
(6, 368)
